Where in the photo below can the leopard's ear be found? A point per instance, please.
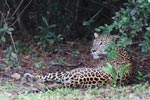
(96, 35)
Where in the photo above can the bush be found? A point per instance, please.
(47, 37)
(132, 23)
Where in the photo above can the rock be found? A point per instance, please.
(16, 76)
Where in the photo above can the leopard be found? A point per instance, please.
(122, 62)
(97, 76)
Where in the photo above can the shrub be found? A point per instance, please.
(132, 23)
(47, 37)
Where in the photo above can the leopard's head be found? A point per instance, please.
(100, 44)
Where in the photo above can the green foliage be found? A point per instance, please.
(123, 70)
(12, 58)
(132, 24)
(62, 13)
(110, 69)
(141, 76)
(9, 51)
(22, 48)
(5, 29)
(62, 61)
(112, 52)
(47, 37)
(40, 64)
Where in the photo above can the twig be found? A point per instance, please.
(96, 14)
(17, 8)
(21, 13)
(8, 10)
(77, 8)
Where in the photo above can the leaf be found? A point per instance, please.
(123, 69)
(14, 56)
(3, 39)
(40, 64)
(124, 41)
(113, 54)
(115, 78)
(139, 73)
(10, 29)
(45, 20)
(6, 29)
(146, 76)
(148, 28)
(41, 28)
(86, 23)
(109, 68)
(62, 61)
(9, 32)
(5, 26)
(1, 30)
(59, 38)
(52, 26)
(10, 48)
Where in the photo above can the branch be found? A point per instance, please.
(8, 10)
(6, 18)
(17, 8)
(21, 13)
